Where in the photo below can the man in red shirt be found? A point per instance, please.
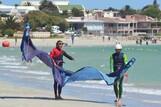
(57, 54)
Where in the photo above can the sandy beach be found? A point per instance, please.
(78, 41)
(28, 93)
(15, 96)
(25, 85)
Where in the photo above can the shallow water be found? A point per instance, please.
(144, 77)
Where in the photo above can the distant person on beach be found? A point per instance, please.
(15, 40)
(147, 42)
(57, 54)
(73, 37)
(154, 40)
(109, 38)
(103, 38)
(137, 41)
(117, 60)
(140, 41)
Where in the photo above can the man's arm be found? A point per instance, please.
(125, 61)
(125, 58)
(68, 56)
(111, 64)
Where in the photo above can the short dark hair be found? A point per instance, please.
(58, 42)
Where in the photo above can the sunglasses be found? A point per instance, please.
(60, 43)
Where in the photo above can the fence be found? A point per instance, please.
(34, 34)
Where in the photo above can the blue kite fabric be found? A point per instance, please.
(62, 76)
(29, 51)
(91, 73)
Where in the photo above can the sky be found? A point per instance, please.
(101, 4)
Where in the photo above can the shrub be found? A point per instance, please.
(8, 32)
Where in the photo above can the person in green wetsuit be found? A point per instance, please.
(117, 60)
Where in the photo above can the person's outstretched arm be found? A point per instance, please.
(68, 56)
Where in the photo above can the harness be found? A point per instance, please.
(58, 56)
(118, 60)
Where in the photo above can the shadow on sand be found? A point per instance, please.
(50, 98)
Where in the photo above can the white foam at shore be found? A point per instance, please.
(90, 84)
(6, 58)
(10, 63)
(103, 82)
(143, 91)
(14, 67)
(32, 72)
(36, 77)
(152, 101)
(128, 88)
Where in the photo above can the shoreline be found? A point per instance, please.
(28, 96)
(13, 96)
(79, 41)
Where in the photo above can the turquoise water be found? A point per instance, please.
(147, 69)
(146, 72)
(144, 77)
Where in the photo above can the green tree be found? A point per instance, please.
(65, 12)
(63, 25)
(16, 5)
(155, 3)
(127, 10)
(11, 23)
(9, 26)
(85, 30)
(0, 20)
(48, 7)
(152, 11)
(8, 32)
(28, 4)
(110, 9)
(37, 19)
(77, 13)
(41, 19)
(145, 7)
(1, 25)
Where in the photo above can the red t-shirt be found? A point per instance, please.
(56, 53)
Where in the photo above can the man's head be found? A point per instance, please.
(59, 44)
(118, 48)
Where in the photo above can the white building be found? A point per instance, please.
(37, 2)
(111, 14)
(92, 25)
(12, 10)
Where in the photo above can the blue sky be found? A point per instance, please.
(102, 4)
